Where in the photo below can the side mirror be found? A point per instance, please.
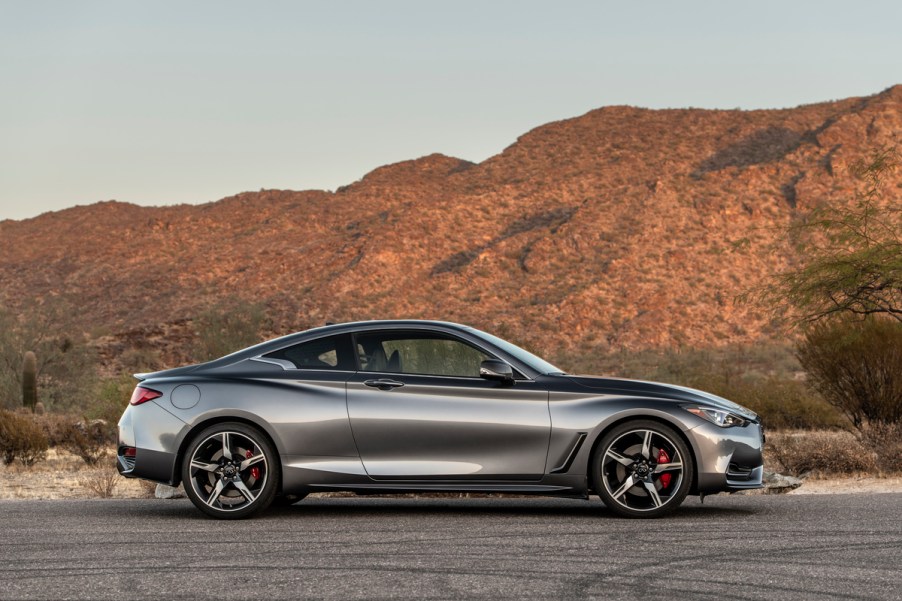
(493, 369)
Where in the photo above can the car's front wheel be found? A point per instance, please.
(230, 471)
(642, 469)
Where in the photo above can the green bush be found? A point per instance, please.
(857, 368)
(21, 439)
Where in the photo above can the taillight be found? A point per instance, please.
(129, 451)
(142, 395)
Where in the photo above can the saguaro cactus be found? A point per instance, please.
(30, 381)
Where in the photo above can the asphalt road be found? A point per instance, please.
(739, 547)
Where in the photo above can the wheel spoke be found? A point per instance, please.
(652, 492)
(627, 484)
(207, 467)
(217, 490)
(226, 451)
(646, 445)
(251, 461)
(244, 490)
(668, 467)
(618, 457)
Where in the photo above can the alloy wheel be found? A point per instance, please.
(642, 471)
(228, 471)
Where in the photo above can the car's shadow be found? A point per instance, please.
(363, 506)
(544, 507)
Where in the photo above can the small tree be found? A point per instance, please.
(854, 253)
(848, 298)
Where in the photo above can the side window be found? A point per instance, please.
(331, 352)
(421, 353)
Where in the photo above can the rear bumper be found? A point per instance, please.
(148, 429)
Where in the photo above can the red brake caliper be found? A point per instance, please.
(663, 457)
(255, 471)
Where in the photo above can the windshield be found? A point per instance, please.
(537, 363)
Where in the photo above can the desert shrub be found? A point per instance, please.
(227, 327)
(110, 401)
(822, 453)
(86, 439)
(885, 441)
(140, 359)
(55, 427)
(857, 368)
(21, 439)
(101, 483)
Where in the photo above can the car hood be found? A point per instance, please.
(657, 390)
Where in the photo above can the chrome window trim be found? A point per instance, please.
(283, 363)
(289, 366)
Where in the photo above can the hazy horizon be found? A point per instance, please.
(170, 103)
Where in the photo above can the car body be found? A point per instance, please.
(408, 406)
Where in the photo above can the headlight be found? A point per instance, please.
(720, 417)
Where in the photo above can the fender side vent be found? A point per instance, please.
(571, 455)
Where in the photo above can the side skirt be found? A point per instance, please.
(492, 488)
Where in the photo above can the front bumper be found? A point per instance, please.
(729, 459)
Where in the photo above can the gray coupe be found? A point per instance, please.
(414, 406)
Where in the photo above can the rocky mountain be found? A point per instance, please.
(621, 228)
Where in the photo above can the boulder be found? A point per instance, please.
(164, 491)
(775, 484)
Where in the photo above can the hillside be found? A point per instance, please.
(615, 229)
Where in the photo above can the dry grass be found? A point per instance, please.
(885, 441)
(100, 483)
(148, 488)
(59, 477)
(818, 453)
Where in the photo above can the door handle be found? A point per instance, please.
(383, 383)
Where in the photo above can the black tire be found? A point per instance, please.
(216, 483)
(642, 469)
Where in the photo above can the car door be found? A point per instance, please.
(419, 410)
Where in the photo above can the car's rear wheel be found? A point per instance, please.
(642, 469)
(230, 471)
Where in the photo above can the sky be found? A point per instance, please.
(187, 102)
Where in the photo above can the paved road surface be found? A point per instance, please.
(818, 547)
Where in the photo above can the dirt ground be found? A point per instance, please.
(65, 476)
